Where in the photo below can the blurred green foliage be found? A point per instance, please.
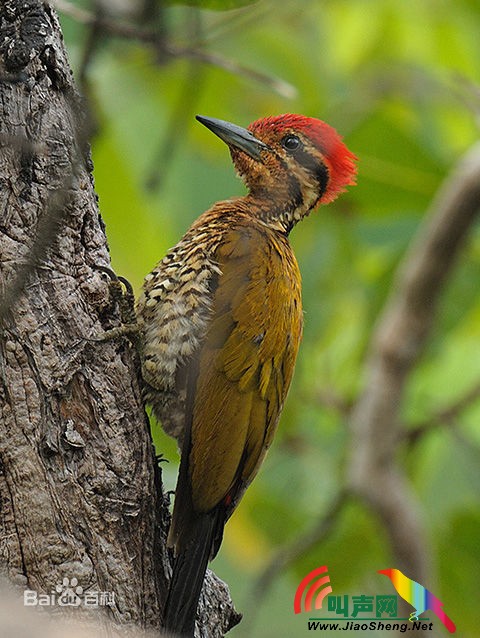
(400, 81)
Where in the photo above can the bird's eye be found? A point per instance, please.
(291, 142)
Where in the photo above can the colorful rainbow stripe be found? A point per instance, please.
(419, 597)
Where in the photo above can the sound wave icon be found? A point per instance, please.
(313, 588)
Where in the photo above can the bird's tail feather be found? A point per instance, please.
(187, 578)
(447, 621)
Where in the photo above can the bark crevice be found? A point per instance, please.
(80, 489)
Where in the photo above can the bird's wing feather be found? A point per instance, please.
(245, 363)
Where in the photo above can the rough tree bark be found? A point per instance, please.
(80, 491)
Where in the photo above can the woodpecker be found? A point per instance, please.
(221, 319)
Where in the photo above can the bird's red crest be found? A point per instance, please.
(339, 160)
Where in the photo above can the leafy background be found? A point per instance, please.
(400, 81)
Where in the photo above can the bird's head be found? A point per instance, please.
(295, 162)
(387, 572)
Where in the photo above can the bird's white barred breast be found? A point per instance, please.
(174, 311)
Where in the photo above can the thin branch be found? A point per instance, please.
(291, 552)
(448, 415)
(132, 32)
(92, 42)
(191, 88)
(398, 340)
(331, 399)
(281, 87)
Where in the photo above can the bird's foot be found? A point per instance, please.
(122, 296)
(121, 293)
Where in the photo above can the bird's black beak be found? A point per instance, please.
(234, 135)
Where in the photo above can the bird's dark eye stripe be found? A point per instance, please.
(314, 166)
(294, 189)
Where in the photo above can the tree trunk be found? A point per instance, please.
(80, 491)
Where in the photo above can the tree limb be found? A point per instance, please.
(447, 415)
(398, 340)
(168, 49)
(291, 552)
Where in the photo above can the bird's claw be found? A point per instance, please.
(121, 294)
